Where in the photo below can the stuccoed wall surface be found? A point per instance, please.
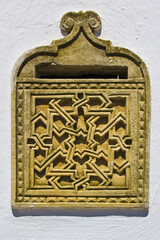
(130, 24)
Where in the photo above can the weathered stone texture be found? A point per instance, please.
(80, 122)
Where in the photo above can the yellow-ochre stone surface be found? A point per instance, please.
(80, 122)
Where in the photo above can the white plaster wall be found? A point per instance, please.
(25, 24)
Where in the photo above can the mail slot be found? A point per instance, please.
(80, 123)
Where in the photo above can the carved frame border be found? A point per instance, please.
(137, 201)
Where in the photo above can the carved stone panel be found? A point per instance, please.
(80, 122)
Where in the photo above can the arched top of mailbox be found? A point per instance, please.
(81, 53)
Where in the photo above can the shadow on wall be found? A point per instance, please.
(81, 212)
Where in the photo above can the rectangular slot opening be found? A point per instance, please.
(50, 70)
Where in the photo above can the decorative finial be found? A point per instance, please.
(88, 20)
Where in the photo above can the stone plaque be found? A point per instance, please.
(80, 122)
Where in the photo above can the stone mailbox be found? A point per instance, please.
(80, 122)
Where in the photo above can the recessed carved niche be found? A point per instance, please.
(80, 122)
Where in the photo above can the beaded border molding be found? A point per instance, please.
(80, 122)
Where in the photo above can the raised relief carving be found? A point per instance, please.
(80, 109)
